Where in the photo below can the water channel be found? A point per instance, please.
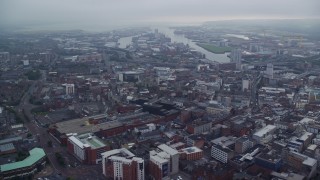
(123, 42)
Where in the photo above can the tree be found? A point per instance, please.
(29, 135)
(49, 143)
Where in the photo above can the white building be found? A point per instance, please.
(69, 89)
(265, 134)
(220, 153)
(84, 147)
(122, 164)
(166, 159)
(174, 157)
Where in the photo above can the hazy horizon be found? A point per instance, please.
(99, 15)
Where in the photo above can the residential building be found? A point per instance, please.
(122, 164)
(269, 71)
(86, 147)
(236, 55)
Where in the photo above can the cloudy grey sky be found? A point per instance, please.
(112, 13)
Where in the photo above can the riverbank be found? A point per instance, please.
(215, 49)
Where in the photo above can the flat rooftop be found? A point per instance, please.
(168, 149)
(82, 125)
(123, 152)
(191, 150)
(6, 147)
(224, 140)
(87, 140)
(264, 130)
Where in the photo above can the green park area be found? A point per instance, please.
(214, 49)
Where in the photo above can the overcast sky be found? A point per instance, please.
(112, 13)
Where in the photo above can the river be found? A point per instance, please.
(222, 58)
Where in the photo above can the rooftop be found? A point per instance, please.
(6, 147)
(35, 155)
(190, 150)
(264, 130)
(123, 152)
(222, 148)
(87, 140)
(8, 140)
(82, 125)
(168, 149)
(224, 140)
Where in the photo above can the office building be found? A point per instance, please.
(242, 144)
(221, 153)
(191, 153)
(164, 161)
(199, 126)
(122, 164)
(245, 85)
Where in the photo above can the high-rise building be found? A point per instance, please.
(245, 84)
(164, 161)
(269, 71)
(122, 164)
(236, 56)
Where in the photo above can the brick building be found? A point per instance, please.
(191, 153)
(199, 126)
(86, 147)
(122, 164)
